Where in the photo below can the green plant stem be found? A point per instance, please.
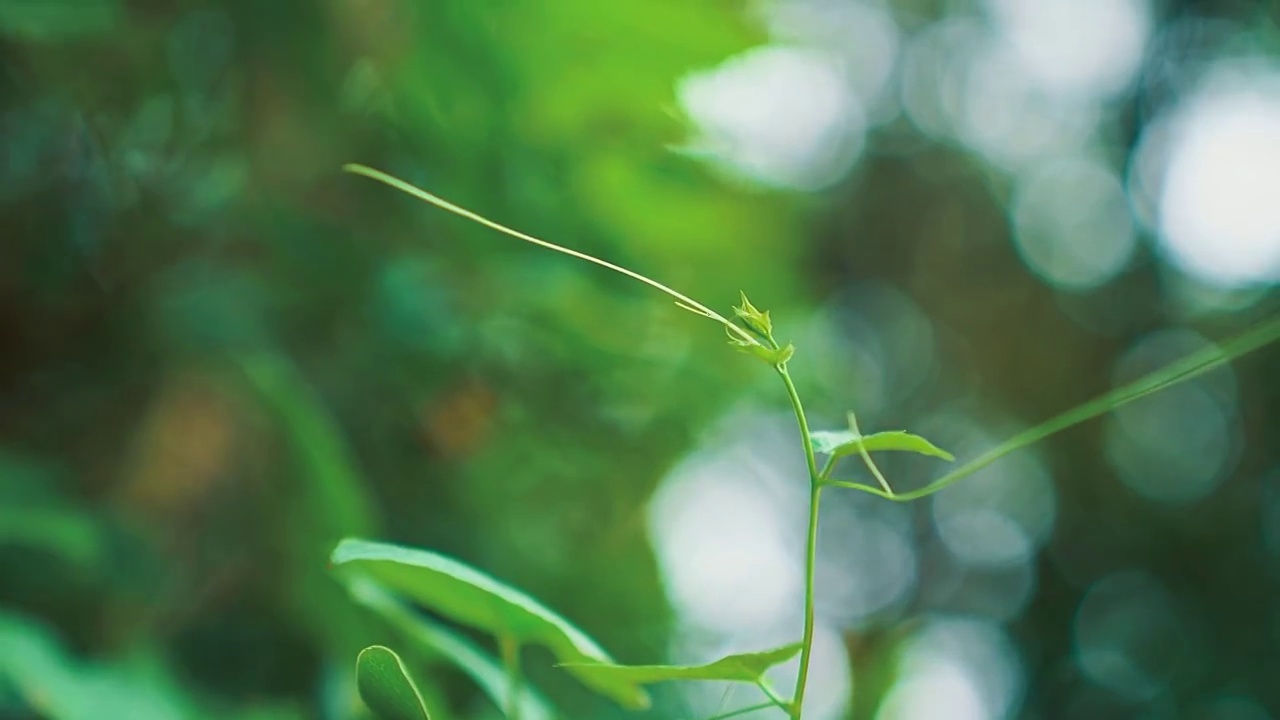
(810, 561)
(827, 467)
(510, 649)
(866, 457)
(811, 545)
(1178, 371)
(741, 711)
(772, 694)
(809, 458)
(681, 299)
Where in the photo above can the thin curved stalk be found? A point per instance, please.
(682, 300)
(1178, 371)
(773, 696)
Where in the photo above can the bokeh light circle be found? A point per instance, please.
(1000, 516)
(1072, 224)
(1177, 445)
(1127, 635)
(956, 669)
(1217, 211)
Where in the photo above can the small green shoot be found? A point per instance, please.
(755, 337)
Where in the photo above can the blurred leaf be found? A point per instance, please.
(61, 688)
(743, 667)
(317, 444)
(843, 443)
(484, 669)
(327, 498)
(473, 598)
(54, 19)
(34, 515)
(385, 686)
(70, 535)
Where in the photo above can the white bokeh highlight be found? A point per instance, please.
(1217, 212)
(956, 669)
(1175, 446)
(726, 551)
(781, 115)
(1080, 48)
(1072, 224)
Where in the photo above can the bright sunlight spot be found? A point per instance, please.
(1218, 212)
(861, 37)
(1072, 224)
(956, 670)
(1083, 48)
(781, 115)
(725, 526)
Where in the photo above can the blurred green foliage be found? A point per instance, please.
(219, 354)
(223, 355)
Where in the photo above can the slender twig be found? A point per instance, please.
(510, 649)
(872, 489)
(827, 467)
(682, 300)
(773, 695)
(1176, 372)
(866, 456)
(740, 711)
(811, 543)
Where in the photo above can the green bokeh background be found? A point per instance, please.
(219, 354)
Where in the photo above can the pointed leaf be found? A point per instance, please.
(743, 667)
(757, 321)
(385, 686)
(468, 596)
(843, 443)
(764, 352)
(485, 670)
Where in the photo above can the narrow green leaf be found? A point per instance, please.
(772, 356)
(843, 443)
(435, 639)
(743, 667)
(468, 596)
(385, 686)
(1178, 371)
